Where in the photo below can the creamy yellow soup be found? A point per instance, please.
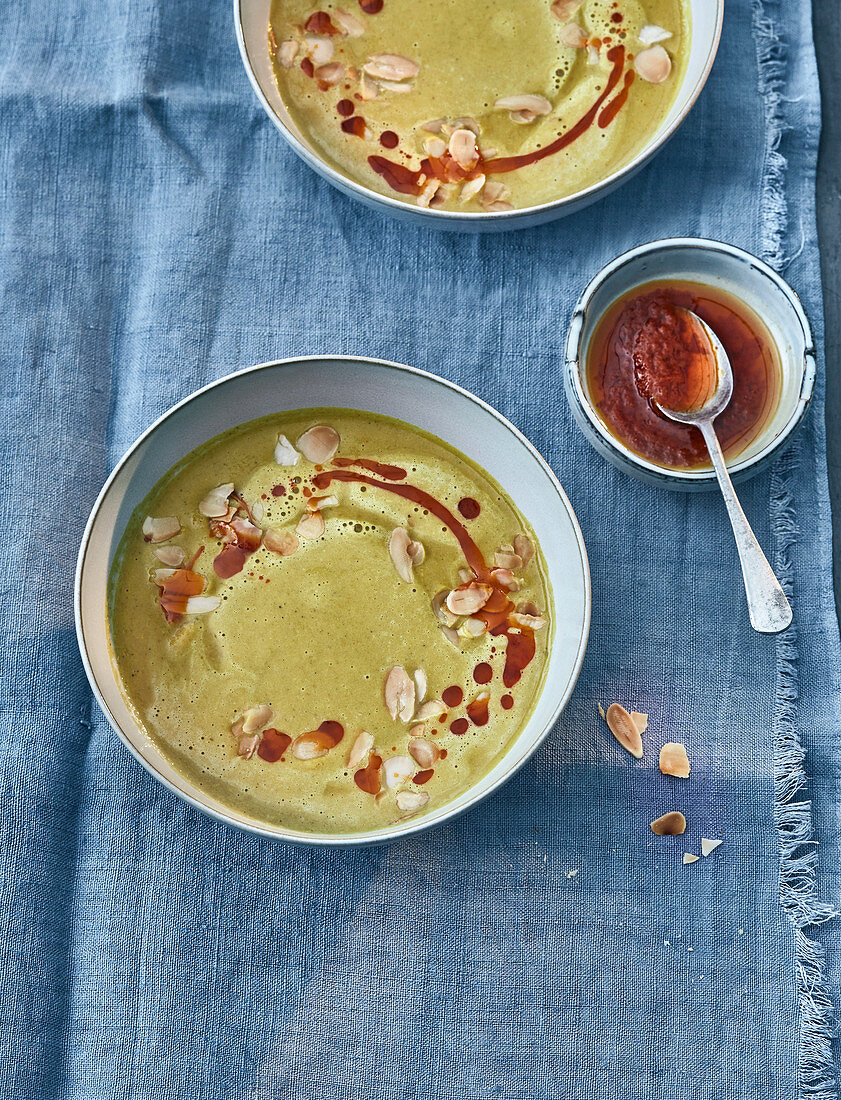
(479, 104)
(329, 620)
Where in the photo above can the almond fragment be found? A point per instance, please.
(524, 547)
(249, 535)
(399, 694)
(398, 769)
(466, 576)
(398, 549)
(428, 192)
(494, 192)
(506, 578)
(499, 207)
(257, 511)
(624, 729)
(393, 86)
(416, 553)
(170, 555)
(318, 49)
(423, 752)
(462, 148)
(573, 35)
(440, 610)
(311, 526)
(420, 685)
(360, 749)
(331, 73)
(564, 10)
(280, 542)
(451, 636)
(411, 801)
(430, 709)
(673, 760)
(689, 858)
(653, 64)
(256, 717)
(524, 108)
(287, 52)
(671, 824)
(434, 147)
(527, 615)
(391, 66)
(318, 504)
(247, 746)
(305, 747)
(469, 600)
(348, 24)
(507, 560)
(215, 504)
(319, 444)
(434, 126)
(592, 55)
(474, 628)
(651, 34)
(160, 528)
(708, 846)
(368, 89)
(201, 605)
(640, 721)
(472, 188)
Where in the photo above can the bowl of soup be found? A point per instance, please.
(477, 115)
(332, 600)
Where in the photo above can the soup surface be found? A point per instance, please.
(479, 105)
(330, 620)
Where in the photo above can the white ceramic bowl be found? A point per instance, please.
(251, 18)
(715, 264)
(437, 406)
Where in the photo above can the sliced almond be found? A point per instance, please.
(318, 504)
(416, 553)
(688, 857)
(434, 147)
(257, 511)
(434, 126)
(651, 34)
(215, 504)
(671, 824)
(624, 729)
(160, 528)
(573, 35)
(287, 52)
(592, 55)
(462, 148)
(201, 605)
(506, 578)
(331, 73)
(451, 636)
(249, 535)
(430, 709)
(311, 526)
(398, 770)
(420, 685)
(391, 66)
(653, 64)
(411, 801)
(280, 542)
(472, 188)
(469, 600)
(256, 717)
(505, 560)
(368, 89)
(640, 721)
(393, 86)
(319, 444)
(318, 49)
(305, 747)
(708, 846)
(466, 123)
(474, 628)
(493, 192)
(499, 207)
(348, 24)
(423, 752)
(360, 749)
(428, 192)
(399, 694)
(533, 104)
(440, 609)
(170, 555)
(247, 746)
(564, 10)
(398, 549)
(524, 547)
(466, 576)
(529, 622)
(673, 760)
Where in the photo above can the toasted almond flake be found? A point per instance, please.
(466, 123)
(256, 717)
(393, 86)
(534, 104)
(530, 620)
(522, 118)
(592, 55)
(160, 528)
(428, 192)
(499, 207)
(170, 555)
(318, 504)
(430, 709)
(671, 824)
(287, 52)
(451, 636)
(653, 64)
(391, 66)
(673, 760)
(504, 559)
(564, 10)
(494, 191)
(506, 578)
(474, 628)
(469, 600)
(201, 605)
(311, 526)
(416, 553)
(249, 535)
(348, 24)
(573, 35)
(257, 510)
(525, 548)
(466, 576)
(440, 609)
(462, 148)
(319, 444)
(487, 152)
(318, 49)
(434, 147)
(708, 846)
(360, 749)
(215, 504)
(368, 89)
(472, 188)
(624, 729)
(601, 711)
(399, 694)
(420, 685)
(305, 748)
(689, 858)
(640, 721)
(411, 801)
(398, 769)
(423, 752)
(331, 73)
(398, 549)
(247, 746)
(280, 542)
(434, 126)
(651, 34)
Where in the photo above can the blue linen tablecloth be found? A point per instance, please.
(156, 234)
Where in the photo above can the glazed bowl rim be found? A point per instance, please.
(411, 826)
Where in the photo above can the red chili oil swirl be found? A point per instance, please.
(368, 778)
(424, 776)
(398, 177)
(273, 745)
(355, 126)
(519, 651)
(176, 589)
(477, 710)
(381, 469)
(507, 702)
(618, 102)
(483, 673)
(469, 507)
(459, 727)
(452, 696)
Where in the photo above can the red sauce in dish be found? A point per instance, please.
(507, 702)
(424, 776)
(459, 727)
(469, 507)
(483, 673)
(368, 778)
(477, 710)
(639, 352)
(176, 589)
(355, 126)
(273, 744)
(389, 140)
(452, 696)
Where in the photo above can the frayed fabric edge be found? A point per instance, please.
(770, 60)
(793, 818)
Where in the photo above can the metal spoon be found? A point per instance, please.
(767, 604)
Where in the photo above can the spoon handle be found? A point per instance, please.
(767, 604)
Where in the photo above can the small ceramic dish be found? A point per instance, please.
(745, 277)
(251, 19)
(430, 403)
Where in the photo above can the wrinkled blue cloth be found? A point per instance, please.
(155, 234)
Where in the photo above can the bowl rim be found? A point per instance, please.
(331, 840)
(457, 217)
(574, 366)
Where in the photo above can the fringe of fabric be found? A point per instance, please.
(793, 818)
(770, 57)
